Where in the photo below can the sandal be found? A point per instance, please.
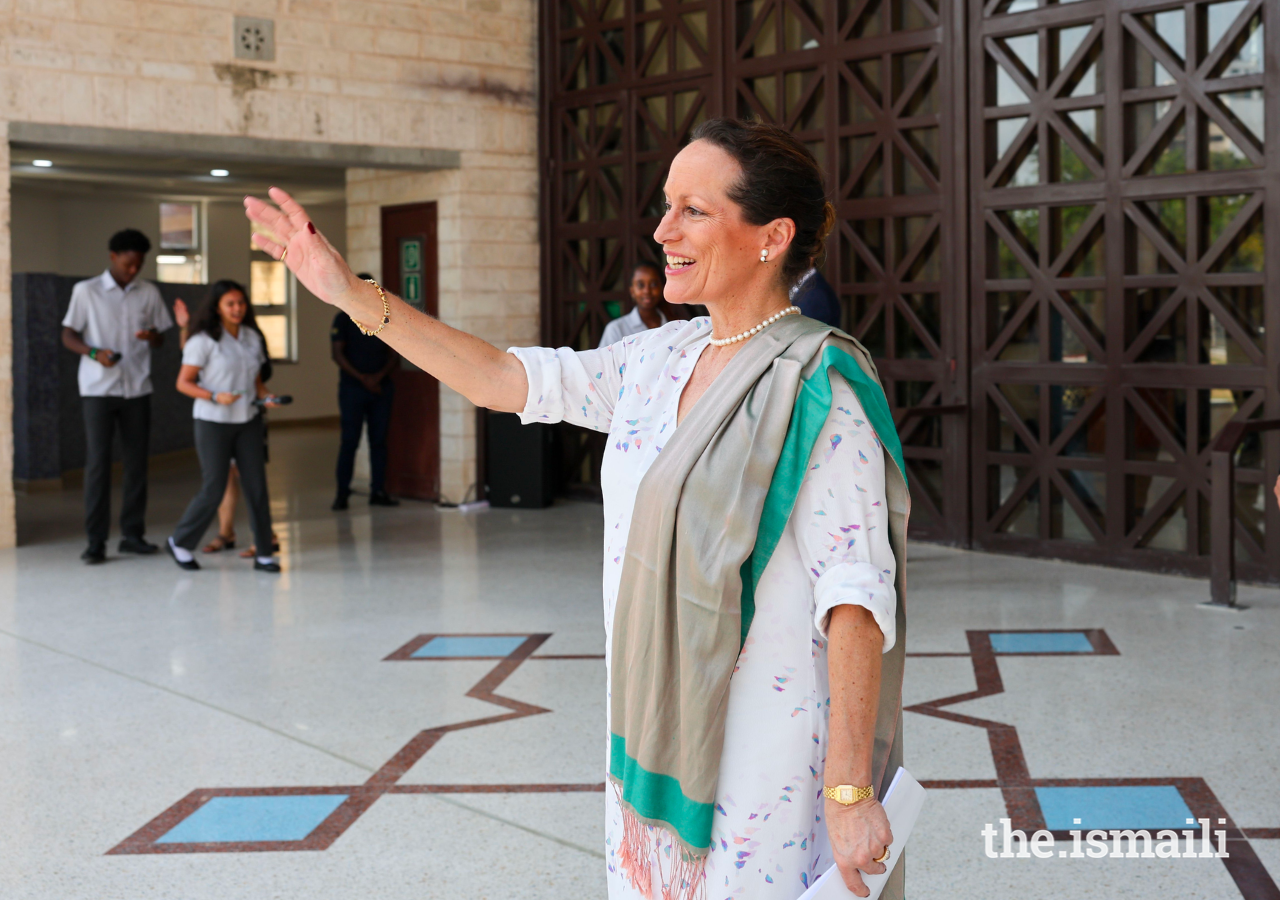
(220, 543)
(253, 550)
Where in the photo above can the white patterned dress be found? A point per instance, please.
(768, 839)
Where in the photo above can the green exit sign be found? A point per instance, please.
(413, 290)
(411, 272)
(411, 255)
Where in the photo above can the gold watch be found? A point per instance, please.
(847, 794)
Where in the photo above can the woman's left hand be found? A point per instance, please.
(287, 233)
(859, 833)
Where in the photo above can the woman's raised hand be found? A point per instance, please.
(285, 231)
(479, 371)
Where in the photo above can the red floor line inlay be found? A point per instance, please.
(1013, 777)
(384, 781)
(1018, 787)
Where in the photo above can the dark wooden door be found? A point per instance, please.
(409, 269)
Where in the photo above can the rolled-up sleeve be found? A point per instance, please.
(580, 387)
(843, 527)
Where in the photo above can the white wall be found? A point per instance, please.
(68, 234)
(34, 231)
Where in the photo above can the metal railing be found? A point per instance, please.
(1222, 508)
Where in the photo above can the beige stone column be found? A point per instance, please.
(488, 255)
(8, 514)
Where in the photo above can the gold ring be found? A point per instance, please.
(284, 254)
(883, 856)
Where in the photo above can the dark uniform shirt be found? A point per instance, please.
(817, 300)
(366, 354)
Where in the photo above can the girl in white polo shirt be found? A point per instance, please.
(221, 365)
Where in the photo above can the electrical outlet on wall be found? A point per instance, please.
(254, 38)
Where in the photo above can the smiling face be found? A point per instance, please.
(232, 307)
(646, 287)
(713, 253)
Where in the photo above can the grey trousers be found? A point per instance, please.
(102, 415)
(217, 443)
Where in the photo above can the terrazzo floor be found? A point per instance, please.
(134, 696)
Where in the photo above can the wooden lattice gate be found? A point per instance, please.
(1052, 236)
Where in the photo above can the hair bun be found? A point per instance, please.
(828, 223)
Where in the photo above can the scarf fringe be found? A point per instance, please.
(642, 844)
(636, 853)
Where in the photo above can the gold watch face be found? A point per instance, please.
(846, 794)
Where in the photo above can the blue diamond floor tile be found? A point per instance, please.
(1138, 806)
(1041, 642)
(244, 819)
(444, 646)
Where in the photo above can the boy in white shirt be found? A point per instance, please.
(113, 322)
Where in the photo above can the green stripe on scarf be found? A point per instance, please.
(658, 797)
(719, 497)
(813, 406)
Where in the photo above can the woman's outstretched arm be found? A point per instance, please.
(474, 368)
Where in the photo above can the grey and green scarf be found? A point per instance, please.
(708, 516)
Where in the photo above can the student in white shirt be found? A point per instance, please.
(646, 286)
(222, 371)
(225, 536)
(113, 322)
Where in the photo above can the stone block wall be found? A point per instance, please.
(488, 254)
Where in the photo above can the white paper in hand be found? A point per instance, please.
(902, 804)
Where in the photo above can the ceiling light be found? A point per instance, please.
(219, 173)
(171, 260)
(42, 163)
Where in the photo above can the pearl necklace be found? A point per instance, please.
(751, 332)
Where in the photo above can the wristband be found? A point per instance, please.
(93, 353)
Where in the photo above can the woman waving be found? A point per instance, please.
(755, 509)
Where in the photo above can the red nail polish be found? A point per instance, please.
(311, 228)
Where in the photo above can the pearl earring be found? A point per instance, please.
(764, 256)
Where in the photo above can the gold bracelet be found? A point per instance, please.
(847, 794)
(386, 312)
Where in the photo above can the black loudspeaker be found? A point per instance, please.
(520, 462)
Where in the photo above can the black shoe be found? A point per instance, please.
(94, 554)
(137, 545)
(190, 565)
(382, 498)
(340, 502)
(260, 566)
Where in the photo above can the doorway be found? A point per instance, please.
(410, 269)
